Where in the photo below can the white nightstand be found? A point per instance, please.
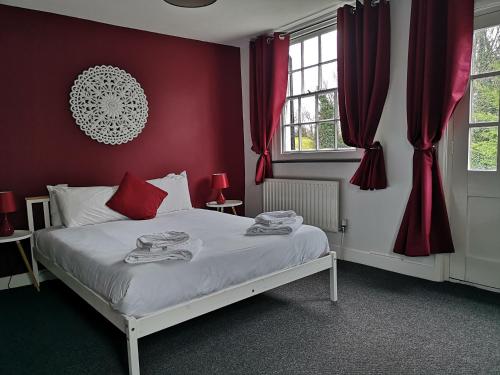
(17, 237)
(229, 203)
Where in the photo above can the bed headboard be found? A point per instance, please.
(30, 201)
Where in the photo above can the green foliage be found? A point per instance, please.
(483, 148)
(486, 53)
(485, 99)
(308, 143)
(326, 135)
(326, 130)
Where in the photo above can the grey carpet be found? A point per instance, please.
(383, 323)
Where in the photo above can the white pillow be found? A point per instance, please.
(86, 205)
(178, 198)
(55, 216)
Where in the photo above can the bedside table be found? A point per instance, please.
(16, 237)
(229, 203)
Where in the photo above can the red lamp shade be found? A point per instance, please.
(7, 204)
(219, 182)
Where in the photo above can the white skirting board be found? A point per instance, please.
(434, 271)
(23, 279)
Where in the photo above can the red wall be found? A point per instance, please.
(193, 90)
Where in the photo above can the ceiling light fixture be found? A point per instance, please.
(191, 3)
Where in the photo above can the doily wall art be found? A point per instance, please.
(109, 105)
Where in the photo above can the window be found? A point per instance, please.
(484, 100)
(310, 118)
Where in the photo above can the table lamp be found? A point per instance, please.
(7, 205)
(219, 182)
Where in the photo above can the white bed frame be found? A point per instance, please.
(135, 328)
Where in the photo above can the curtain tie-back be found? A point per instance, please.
(432, 148)
(374, 146)
(371, 171)
(265, 153)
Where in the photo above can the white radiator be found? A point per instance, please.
(316, 201)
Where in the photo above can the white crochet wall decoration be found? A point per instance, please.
(109, 105)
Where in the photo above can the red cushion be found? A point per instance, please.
(136, 198)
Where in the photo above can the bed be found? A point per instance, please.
(143, 299)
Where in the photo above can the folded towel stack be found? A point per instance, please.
(276, 222)
(164, 246)
(158, 241)
(276, 217)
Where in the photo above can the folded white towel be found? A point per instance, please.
(158, 241)
(260, 229)
(276, 217)
(185, 251)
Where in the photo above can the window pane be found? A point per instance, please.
(325, 106)
(311, 51)
(485, 93)
(308, 137)
(288, 85)
(326, 134)
(290, 138)
(483, 148)
(336, 110)
(329, 46)
(308, 109)
(291, 112)
(486, 51)
(294, 111)
(340, 141)
(311, 80)
(295, 56)
(296, 88)
(329, 76)
(286, 113)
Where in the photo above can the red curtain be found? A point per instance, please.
(439, 58)
(268, 83)
(363, 51)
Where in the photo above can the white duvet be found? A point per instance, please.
(94, 254)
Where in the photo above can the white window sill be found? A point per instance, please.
(333, 156)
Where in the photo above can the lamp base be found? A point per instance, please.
(5, 228)
(220, 198)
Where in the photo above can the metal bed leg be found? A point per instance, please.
(333, 278)
(132, 347)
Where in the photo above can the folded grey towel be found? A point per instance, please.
(276, 217)
(185, 251)
(158, 241)
(261, 229)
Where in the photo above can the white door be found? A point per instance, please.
(475, 181)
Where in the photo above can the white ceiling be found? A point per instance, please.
(225, 22)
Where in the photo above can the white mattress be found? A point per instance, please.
(94, 254)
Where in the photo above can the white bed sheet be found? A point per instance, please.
(94, 254)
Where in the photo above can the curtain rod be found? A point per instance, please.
(330, 21)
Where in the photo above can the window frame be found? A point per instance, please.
(278, 148)
(478, 25)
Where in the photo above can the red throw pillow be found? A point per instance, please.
(136, 198)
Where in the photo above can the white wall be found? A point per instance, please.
(373, 216)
